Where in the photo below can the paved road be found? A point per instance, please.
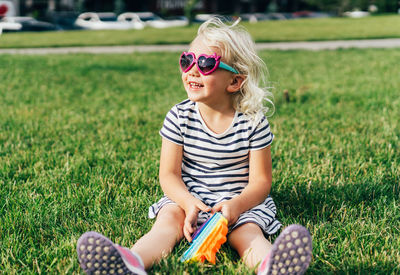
(314, 46)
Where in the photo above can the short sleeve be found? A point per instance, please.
(170, 129)
(261, 136)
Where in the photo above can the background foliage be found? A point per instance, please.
(340, 6)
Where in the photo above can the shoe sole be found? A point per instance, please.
(291, 252)
(98, 255)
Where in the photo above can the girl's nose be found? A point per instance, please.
(194, 71)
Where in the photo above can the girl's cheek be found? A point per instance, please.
(184, 81)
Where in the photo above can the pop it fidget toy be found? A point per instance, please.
(207, 240)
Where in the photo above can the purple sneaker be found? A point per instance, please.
(99, 255)
(290, 254)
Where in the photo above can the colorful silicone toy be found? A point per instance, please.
(207, 240)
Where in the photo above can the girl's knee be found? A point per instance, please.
(171, 213)
(250, 243)
(245, 236)
(171, 217)
(245, 231)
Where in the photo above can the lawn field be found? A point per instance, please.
(79, 151)
(267, 31)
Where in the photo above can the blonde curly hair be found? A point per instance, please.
(238, 50)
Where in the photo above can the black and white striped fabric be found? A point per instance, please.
(215, 167)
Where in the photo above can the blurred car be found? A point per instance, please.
(356, 14)
(155, 21)
(131, 18)
(255, 17)
(26, 23)
(309, 14)
(203, 17)
(108, 21)
(7, 24)
(64, 19)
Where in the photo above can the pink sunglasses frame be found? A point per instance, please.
(218, 63)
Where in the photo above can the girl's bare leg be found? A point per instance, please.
(163, 236)
(250, 243)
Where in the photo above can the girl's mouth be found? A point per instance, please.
(195, 85)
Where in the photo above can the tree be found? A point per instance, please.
(119, 6)
(188, 9)
(336, 6)
(340, 6)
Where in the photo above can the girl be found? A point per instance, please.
(215, 156)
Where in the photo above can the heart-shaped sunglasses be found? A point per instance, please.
(206, 64)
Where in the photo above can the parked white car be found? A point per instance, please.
(203, 17)
(9, 24)
(107, 21)
(132, 18)
(155, 21)
(356, 14)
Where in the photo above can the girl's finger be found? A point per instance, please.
(203, 207)
(217, 208)
(188, 233)
(188, 225)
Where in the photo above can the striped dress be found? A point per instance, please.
(215, 167)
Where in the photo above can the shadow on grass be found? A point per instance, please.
(319, 201)
(350, 222)
(228, 262)
(383, 269)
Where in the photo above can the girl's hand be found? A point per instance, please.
(229, 210)
(191, 218)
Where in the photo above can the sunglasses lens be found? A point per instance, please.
(186, 61)
(206, 64)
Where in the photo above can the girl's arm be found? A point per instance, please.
(257, 190)
(173, 186)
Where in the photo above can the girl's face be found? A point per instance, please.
(209, 89)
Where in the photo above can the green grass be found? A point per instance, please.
(267, 31)
(79, 150)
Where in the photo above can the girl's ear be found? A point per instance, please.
(236, 83)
